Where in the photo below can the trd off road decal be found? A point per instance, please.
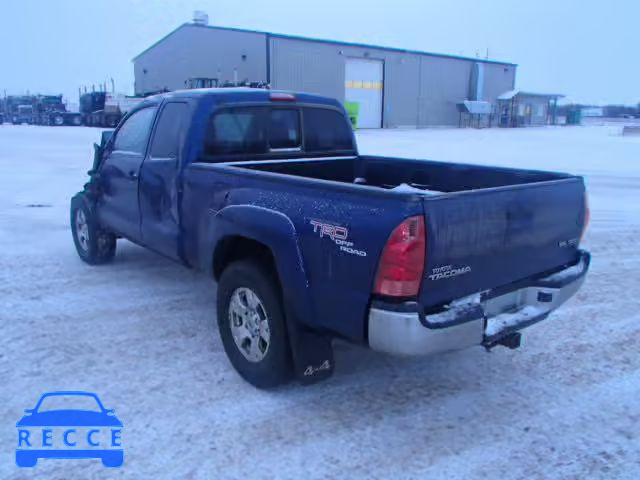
(339, 235)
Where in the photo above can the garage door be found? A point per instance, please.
(363, 85)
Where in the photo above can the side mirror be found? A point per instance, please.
(105, 138)
(28, 410)
(98, 150)
(109, 411)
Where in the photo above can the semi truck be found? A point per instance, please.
(39, 110)
(19, 109)
(51, 110)
(105, 109)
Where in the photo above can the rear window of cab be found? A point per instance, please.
(274, 132)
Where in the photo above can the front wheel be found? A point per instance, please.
(252, 324)
(94, 245)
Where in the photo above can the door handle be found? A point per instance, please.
(133, 175)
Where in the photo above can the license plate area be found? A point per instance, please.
(504, 303)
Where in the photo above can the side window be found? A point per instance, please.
(236, 130)
(326, 130)
(284, 129)
(134, 132)
(171, 125)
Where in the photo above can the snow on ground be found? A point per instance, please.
(141, 333)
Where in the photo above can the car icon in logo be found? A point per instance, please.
(55, 429)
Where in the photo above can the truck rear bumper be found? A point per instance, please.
(481, 319)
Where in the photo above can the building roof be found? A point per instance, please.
(514, 93)
(321, 40)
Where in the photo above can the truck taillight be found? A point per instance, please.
(587, 216)
(282, 97)
(402, 262)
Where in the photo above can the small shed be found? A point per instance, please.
(519, 109)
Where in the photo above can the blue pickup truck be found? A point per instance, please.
(309, 241)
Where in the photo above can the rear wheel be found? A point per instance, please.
(252, 324)
(94, 245)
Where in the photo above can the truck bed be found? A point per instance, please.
(391, 173)
(487, 228)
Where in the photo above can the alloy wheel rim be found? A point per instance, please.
(249, 324)
(82, 230)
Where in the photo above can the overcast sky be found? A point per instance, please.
(586, 49)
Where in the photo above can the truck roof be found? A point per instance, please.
(241, 94)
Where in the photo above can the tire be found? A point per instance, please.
(265, 361)
(94, 245)
(58, 120)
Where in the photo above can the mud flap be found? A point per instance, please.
(312, 353)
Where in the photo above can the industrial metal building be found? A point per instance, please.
(392, 87)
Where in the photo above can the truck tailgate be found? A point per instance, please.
(482, 239)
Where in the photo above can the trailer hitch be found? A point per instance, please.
(511, 341)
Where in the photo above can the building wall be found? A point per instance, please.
(444, 82)
(524, 110)
(419, 90)
(402, 90)
(196, 51)
(536, 109)
(498, 79)
(307, 67)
